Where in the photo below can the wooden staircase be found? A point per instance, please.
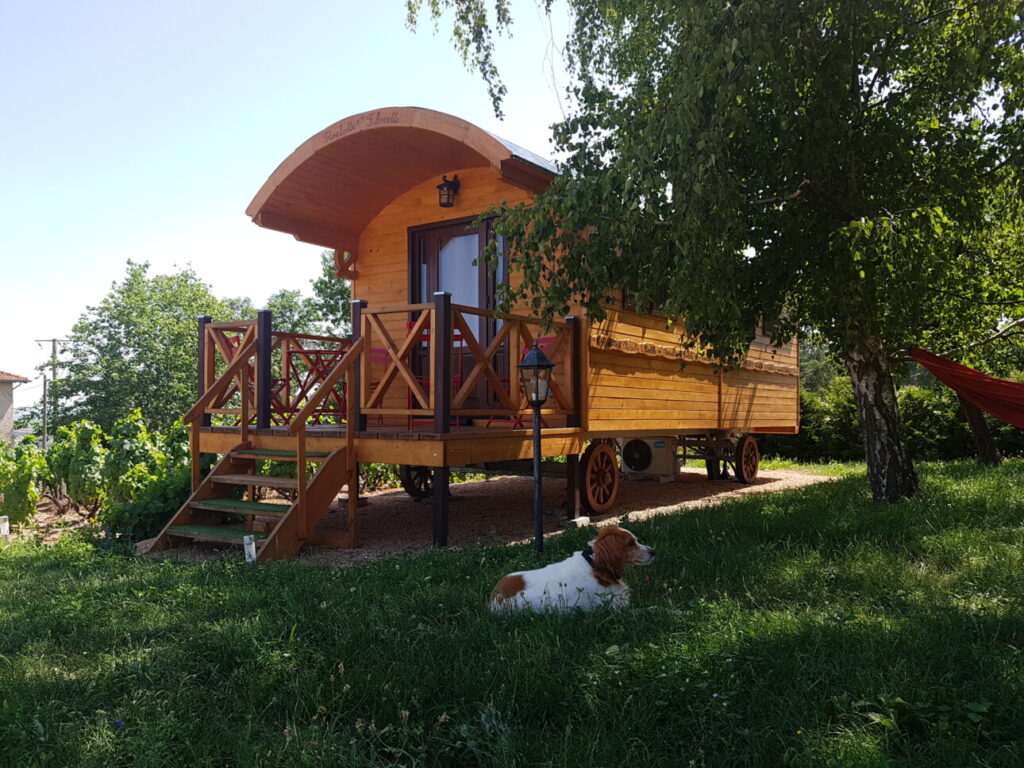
(214, 513)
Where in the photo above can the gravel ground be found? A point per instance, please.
(499, 510)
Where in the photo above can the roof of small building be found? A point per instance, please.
(5, 376)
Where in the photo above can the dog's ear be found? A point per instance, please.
(610, 551)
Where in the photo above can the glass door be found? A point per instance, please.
(449, 258)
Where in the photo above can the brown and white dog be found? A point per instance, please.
(585, 580)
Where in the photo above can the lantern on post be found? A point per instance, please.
(447, 190)
(535, 376)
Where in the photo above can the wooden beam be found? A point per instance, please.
(308, 232)
(345, 264)
(526, 175)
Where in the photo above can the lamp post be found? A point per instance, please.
(535, 375)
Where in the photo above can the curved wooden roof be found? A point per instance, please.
(328, 190)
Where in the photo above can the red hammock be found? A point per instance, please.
(1003, 399)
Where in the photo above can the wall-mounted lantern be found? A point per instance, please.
(447, 190)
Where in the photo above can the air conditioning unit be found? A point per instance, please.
(648, 457)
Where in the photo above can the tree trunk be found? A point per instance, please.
(890, 471)
(988, 453)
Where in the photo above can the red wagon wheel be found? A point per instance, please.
(748, 458)
(599, 472)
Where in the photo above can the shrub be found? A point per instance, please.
(806, 445)
(75, 460)
(152, 507)
(933, 423)
(373, 477)
(841, 436)
(932, 420)
(20, 470)
(155, 479)
(134, 461)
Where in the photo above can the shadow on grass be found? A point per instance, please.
(807, 626)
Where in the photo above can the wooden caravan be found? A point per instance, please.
(427, 379)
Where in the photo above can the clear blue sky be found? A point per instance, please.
(142, 131)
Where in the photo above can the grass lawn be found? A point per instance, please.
(805, 628)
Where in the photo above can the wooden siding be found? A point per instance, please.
(384, 246)
(634, 387)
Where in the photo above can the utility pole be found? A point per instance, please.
(53, 377)
(45, 432)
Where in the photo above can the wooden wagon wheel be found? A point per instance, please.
(748, 458)
(599, 473)
(416, 481)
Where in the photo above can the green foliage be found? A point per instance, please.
(855, 176)
(21, 469)
(331, 296)
(294, 313)
(818, 364)
(134, 460)
(934, 427)
(839, 426)
(76, 460)
(851, 167)
(801, 628)
(373, 477)
(148, 475)
(136, 349)
(151, 506)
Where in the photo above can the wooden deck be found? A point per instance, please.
(398, 445)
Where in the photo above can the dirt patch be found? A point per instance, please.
(50, 523)
(500, 511)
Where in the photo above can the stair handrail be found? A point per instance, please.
(329, 382)
(216, 389)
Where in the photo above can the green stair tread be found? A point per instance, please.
(231, 505)
(269, 481)
(270, 453)
(215, 530)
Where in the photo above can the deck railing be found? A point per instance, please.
(421, 367)
(410, 350)
(280, 375)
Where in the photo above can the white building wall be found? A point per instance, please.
(6, 411)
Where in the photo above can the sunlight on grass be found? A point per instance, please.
(809, 627)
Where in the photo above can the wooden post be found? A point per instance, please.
(350, 458)
(572, 485)
(441, 338)
(264, 344)
(575, 371)
(300, 498)
(243, 391)
(204, 320)
(359, 421)
(193, 444)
